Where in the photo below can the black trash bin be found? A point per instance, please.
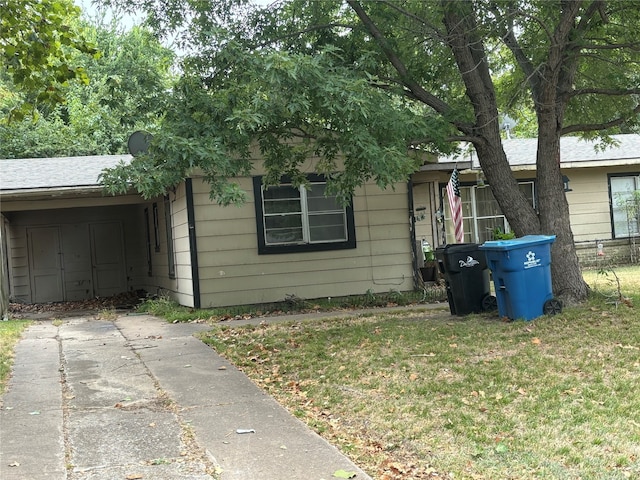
(466, 275)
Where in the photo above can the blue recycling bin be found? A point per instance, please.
(521, 270)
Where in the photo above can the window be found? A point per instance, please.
(480, 212)
(169, 229)
(625, 205)
(292, 219)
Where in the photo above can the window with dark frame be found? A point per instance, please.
(169, 230)
(301, 219)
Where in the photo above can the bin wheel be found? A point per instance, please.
(489, 303)
(552, 307)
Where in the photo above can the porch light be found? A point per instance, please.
(565, 183)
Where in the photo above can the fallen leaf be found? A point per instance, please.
(536, 341)
(344, 474)
(413, 377)
(134, 476)
(222, 368)
(522, 391)
(453, 345)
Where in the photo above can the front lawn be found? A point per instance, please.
(425, 395)
(10, 332)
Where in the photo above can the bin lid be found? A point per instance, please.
(517, 242)
(458, 247)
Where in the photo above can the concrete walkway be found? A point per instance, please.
(138, 398)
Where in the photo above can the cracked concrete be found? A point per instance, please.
(140, 398)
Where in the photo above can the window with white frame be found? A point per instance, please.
(481, 213)
(625, 205)
(296, 219)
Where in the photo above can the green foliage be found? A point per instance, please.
(171, 311)
(289, 106)
(127, 92)
(39, 40)
(499, 234)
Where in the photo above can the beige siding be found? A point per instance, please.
(588, 201)
(232, 272)
(180, 287)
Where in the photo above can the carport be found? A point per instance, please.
(63, 238)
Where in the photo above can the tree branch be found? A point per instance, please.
(532, 74)
(420, 93)
(590, 127)
(604, 91)
(440, 35)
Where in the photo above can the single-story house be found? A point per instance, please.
(65, 240)
(598, 183)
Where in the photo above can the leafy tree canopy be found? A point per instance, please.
(39, 40)
(368, 84)
(127, 92)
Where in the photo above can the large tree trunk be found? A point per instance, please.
(468, 51)
(553, 217)
(568, 282)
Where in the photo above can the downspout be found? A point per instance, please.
(417, 284)
(193, 246)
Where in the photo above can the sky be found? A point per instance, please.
(89, 10)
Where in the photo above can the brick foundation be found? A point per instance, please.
(616, 252)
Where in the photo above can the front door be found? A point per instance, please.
(107, 252)
(45, 258)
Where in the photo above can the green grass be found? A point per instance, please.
(172, 312)
(414, 394)
(10, 332)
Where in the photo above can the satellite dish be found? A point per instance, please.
(507, 123)
(139, 142)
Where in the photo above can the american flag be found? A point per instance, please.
(455, 203)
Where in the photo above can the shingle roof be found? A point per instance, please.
(58, 172)
(522, 151)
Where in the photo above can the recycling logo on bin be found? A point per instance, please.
(469, 263)
(531, 260)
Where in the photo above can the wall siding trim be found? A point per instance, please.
(193, 245)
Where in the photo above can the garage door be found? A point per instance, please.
(76, 262)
